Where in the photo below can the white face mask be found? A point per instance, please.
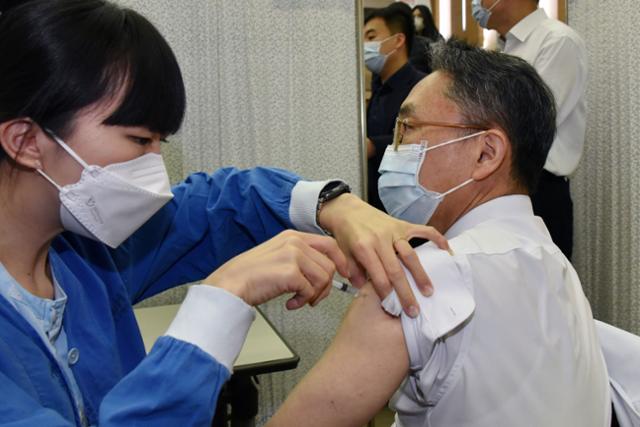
(110, 203)
(399, 186)
(418, 21)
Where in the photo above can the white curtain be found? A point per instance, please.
(273, 83)
(605, 187)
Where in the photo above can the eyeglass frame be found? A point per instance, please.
(397, 138)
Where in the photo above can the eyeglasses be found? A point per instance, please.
(403, 124)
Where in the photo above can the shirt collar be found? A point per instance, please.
(522, 29)
(400, 77)
(48, 313)
(505, 206)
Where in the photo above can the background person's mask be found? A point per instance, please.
(480, 13)
(373, 59)
(399, 187)
(110, 203)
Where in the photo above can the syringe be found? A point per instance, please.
(345, 287)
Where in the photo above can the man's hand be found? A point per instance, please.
(373, 241)
(291, 262)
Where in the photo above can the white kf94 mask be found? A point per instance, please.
(110, 203)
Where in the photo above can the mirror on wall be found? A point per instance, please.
(395, 58)
(392, 61)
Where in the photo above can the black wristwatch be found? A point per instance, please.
(330, 192)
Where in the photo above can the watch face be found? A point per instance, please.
(334, 191)
(330, 187)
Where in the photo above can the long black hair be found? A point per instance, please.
(60, 56)
(430, 30)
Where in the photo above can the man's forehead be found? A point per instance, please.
(427, 100)
(377, 25)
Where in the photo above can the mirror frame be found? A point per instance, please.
(362, 113)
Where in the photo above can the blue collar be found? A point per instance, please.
(398, 79)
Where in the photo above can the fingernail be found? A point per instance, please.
(413, 311)
(428, 291)
(450, 251)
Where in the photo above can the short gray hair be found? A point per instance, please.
(493, 89)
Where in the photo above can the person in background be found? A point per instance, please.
(420, 54)
(424, 23)
(559, 55)
(508, 338)
(426, 34)
(388, 38)
(90, 226)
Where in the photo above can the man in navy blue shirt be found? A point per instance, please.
(388, 36)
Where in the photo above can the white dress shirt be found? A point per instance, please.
(508, 338)
(621, 351)
(559, 55)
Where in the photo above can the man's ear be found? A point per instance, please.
(401, 40)
(493, 152)
(18, 139)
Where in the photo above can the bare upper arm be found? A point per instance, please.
(358, 373)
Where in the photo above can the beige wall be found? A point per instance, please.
(605, 187)
(377, 3)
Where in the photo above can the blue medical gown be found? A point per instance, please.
(211, 219)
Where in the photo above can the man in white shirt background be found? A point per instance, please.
(507, 338)
(559, 55)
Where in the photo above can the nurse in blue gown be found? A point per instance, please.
(89, 226)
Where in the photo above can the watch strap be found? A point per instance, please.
(328, 193)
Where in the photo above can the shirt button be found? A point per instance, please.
(73, 356)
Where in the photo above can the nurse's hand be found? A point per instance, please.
(291, 262)
(373, 241)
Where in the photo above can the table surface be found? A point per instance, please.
(263, 351)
